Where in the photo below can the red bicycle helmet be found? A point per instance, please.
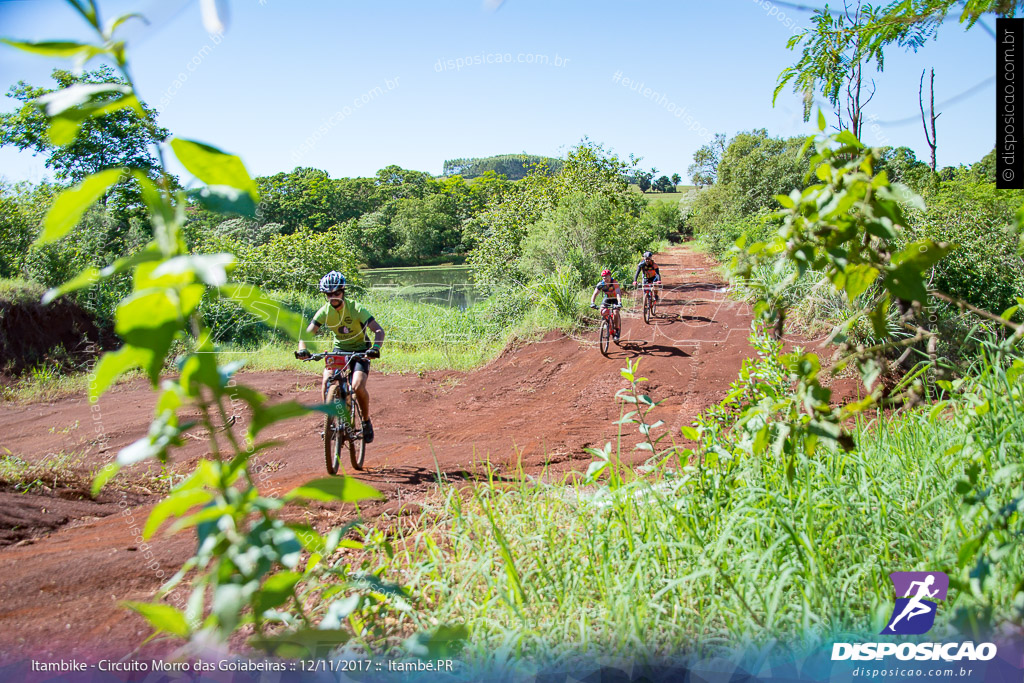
(605, 272)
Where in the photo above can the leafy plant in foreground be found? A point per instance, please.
(851, 227)
(248, 562)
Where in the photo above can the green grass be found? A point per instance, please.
(733, 551)
(420, 338)
(20, 291)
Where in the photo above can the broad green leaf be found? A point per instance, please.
(210, 268)
(67, 109)
(276, 590)
(213, 166)
(922, 254)
(163, 618)
(340, 609)
(821, 120)
(225, 199)
(112, 365)
(857, 278)
(307, 642)
(870, 371)
(228, 601)
(907, 282)
(163, 433)
(200, 369)
(264, 415)
(70, 204)
(595, 469)
(61, 49)
(149, 320)
(86, 278)
(90, 276)
(310, 538)
(880, 317)
(175, 505)
(331, 489)
(161, 212)
(690, 433)
(269, 312)
(848, 138)
(104, 475)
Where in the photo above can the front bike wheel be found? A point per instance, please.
(648, 306)
(606, 335)
(332, 435)
(356, 445)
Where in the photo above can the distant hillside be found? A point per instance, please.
(513, 166)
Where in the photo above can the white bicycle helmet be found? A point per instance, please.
(332, 281)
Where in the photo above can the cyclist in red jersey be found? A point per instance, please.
(612, 295)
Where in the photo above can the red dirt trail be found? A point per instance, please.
(66, 561)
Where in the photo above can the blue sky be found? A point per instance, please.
(307, 82)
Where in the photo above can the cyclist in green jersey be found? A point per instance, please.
(350, 322)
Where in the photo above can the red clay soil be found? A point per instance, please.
(68, 563)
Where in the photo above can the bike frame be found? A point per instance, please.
(341, 364)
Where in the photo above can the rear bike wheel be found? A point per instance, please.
(648, 306)
(332, 435)
(606, 335)
(356, 445)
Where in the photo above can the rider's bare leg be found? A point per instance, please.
(323, 383)
(362, 395)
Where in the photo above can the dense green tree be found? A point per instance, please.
(372, 238)
(395, 182)
(306, 197)
(643, 180)
(985, 169)
(903, 166)
(426, 228)
(512, 166)
(17, 229)
(664, 184)
(704, 169)
(676, 178)
(759, 167)
(551, 212)
(119, 138)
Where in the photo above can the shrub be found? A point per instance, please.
(298, 260)
(986, 269)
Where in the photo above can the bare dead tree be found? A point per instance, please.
(855, 86)
(930, 137)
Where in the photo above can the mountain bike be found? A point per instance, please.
(607, 326)
(348, 429)
(650, 303)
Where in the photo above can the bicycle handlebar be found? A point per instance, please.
(357, 355)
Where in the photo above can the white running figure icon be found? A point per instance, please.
(914, 606)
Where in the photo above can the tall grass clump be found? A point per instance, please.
(732, 545)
